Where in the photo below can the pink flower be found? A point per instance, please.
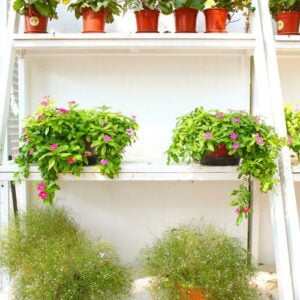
(130, 131)
(246, 209)
(31, 151)
(70, 160)
(63, 110)
(259, 140)
(235, 146)
(27, 139)
(236, 120)
(72, 102)
(41, 186)
(44, 103)
(133, 117)
(43, 195)
(233, 136)
(39, 117)
(257, 134)
(208, 135)
(53, 147)
(104, 162)
(289, 140)
(87, 154)
(219, 115)
(237, 211)
(106, 138)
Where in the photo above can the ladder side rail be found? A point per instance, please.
(262, 104)
(285, 165)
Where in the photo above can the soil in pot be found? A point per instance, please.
(215, 20)
(288, 23)
(35, 22)
(93, 21)
(147, 20)
(220, 157)
(185, 19)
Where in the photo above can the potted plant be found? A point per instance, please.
(95, 13)
(186, 12)
(286, 14)
(198, 262)
(292, 117)
(147, 13)
(49, 257)
(61, 140)
(243, 135)
(217, 13)
(36, 13)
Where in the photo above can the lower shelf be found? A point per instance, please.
(139, 171)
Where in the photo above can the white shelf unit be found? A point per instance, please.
(244, 46)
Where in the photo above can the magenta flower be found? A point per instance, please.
(236, 120)
(70, 160)
(219, 115)
(63, 110)
(104, 162)
(246, 209)
(87, 154)
(233, 136)
(44, 103)
(130, 131)
(41, 186)
(259, 140)
(53, 147)
(237, 211)
(208, 135)
(39, 117)
(43, 195)
(107, 138)
(235, 146)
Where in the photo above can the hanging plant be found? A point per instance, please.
(61, 140)
(244, 135)
(292, 117)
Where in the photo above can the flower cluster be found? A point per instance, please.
(244, 135)
(62, 140)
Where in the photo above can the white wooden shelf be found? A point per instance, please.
(121, 43)
(296, 173)
(287, 44)
(139, 171)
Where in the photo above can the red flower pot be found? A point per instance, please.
(220, 157)
(93, 21)
(185, 19)
(35, 22)
(147, 20)
(288, 23)
(195, 295)
(215, 19)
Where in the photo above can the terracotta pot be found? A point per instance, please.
(147, 20)
(191, 294)
(288, 23)
(215, 19)
(185, 19)
(35, 22)
(93, 21)
(220, 157)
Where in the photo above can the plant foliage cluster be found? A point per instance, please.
(279, 6)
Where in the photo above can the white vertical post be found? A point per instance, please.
(285, 169)
(264, 101)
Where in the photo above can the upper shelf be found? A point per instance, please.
(287, 44)
(134, 44)
(139, 171)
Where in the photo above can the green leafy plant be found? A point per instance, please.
(247, 136)
(199, 257)
(49, 257)
(112, 8)
(165, 6)
(292, 117)
(230, 5)
(60, 141)
(196, 4)
(46, 8)
(280, 6)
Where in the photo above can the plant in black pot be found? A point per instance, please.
(147, 13)
(198, 262)
(61, 140)
(218, 138)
